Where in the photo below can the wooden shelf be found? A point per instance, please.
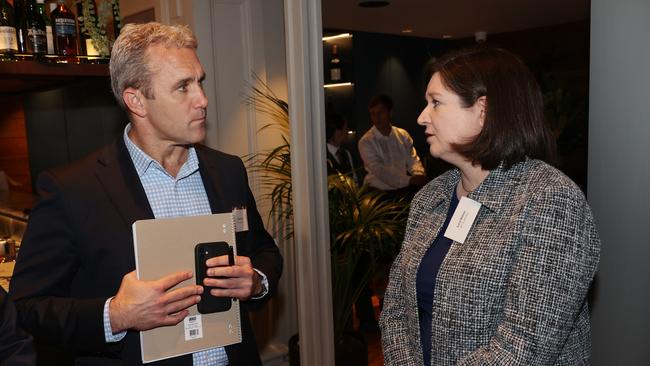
(30, 76)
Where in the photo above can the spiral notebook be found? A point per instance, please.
(163, 246)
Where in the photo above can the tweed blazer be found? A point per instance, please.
(514, 293)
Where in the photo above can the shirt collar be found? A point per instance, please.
(143, 162)
(332, 149)
(378, 134)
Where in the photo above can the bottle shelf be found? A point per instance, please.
(29, 76)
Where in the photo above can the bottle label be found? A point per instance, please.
(90, 48)
(335, 74)
(50, 39)
(8, 39)
(64, 27)
(36, 40)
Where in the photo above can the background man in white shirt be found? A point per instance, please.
(389, 158)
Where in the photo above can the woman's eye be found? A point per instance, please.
(435, 103)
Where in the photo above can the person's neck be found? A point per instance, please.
(471, 176)
(170, 156)
(385, 129)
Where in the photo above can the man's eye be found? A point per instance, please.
(183, 88)
(435, 103)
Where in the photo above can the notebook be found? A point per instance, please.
(163, 246)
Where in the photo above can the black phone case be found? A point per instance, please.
(202, 252)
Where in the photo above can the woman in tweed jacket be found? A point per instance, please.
(513, 292)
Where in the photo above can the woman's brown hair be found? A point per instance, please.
(514, 125)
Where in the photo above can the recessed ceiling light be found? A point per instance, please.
(407, 30)
(447, 36)
(373, 4)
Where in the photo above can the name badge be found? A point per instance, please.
(241, 219)
(462, 219)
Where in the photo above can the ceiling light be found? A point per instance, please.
(407, 30)
(447, 36)
(337, 85)
(373, 4)
(342, 35)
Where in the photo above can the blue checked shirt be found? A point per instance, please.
(183, 195)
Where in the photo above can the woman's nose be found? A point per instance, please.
(423, 118)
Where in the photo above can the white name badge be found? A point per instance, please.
(462, 219)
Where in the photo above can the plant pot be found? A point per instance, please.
(351, 350)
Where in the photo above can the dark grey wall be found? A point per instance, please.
(619, 177)
(383, 64)
(395, 66)
(68, 123)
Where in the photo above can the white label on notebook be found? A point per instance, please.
(193, 327)
(241, 219)
(462, 219)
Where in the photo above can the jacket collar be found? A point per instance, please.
(117, 174)
(498, 184)
(211, 180)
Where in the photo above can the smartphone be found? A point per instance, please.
(203, 252)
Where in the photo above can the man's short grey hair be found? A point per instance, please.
(129, 65)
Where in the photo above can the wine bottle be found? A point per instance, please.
(33, 23)
(335, 65)
(40, 7)
(65, 31)
(8, 39)
(21, 33)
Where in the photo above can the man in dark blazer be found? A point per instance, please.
(74, 283)
(339, 158)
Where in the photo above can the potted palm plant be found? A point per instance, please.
(361, 222)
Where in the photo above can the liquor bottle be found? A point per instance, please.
(335, 65)
(65, 31)
(21, 32)
(40, 7)
(8, 39)
(33, 23)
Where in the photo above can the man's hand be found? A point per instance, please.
(144, 305)
(418, 180)
(241, 280)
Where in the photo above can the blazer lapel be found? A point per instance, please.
(118, 176)
(211, 182)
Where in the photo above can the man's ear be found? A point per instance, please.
(133, 99)
(481, 103)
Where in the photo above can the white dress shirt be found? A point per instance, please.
(389, 160)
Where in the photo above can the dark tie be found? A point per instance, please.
(344, 161)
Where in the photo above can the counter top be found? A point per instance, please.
(16, 205)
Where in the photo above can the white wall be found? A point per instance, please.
(166, 11)
(619, 179)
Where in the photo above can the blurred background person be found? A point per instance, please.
(507, 282)
(389, 158)
(339, 158)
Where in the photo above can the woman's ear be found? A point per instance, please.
(481, 103)
(133, 99)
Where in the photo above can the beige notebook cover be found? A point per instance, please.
(163, 246)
